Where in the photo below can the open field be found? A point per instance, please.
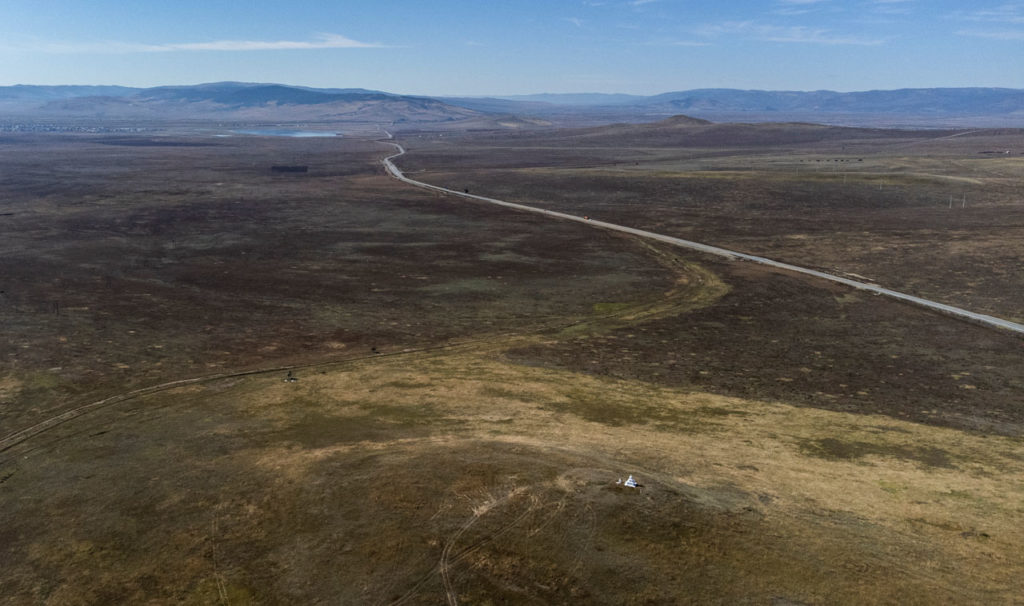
(472, 381)
(919, 211)
(127, 265)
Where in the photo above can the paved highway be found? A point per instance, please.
(714, 250)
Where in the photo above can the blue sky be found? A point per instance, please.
(480, 47)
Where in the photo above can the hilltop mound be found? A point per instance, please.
(682, 120)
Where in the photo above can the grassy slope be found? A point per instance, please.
(361, 483)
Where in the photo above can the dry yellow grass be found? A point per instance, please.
(501, 475)
(938, 506)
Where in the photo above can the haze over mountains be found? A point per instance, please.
(256, 101)
(914, 107)
(226, 101)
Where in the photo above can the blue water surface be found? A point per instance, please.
(279, 132)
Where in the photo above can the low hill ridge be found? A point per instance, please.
(931, 107)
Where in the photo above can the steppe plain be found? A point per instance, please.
(471, 382)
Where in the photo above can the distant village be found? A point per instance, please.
(53, 127)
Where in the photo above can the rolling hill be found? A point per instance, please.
(931, 107)
(903, 107)
(230, 101)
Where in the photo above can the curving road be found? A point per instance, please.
(714, 250)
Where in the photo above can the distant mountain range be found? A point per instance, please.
(228, 101)
(921, 106)
(275, 102)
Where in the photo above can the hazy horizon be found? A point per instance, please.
(457, 48)
(503, 95)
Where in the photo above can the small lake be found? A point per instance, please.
(280, 132)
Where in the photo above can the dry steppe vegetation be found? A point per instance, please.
(472, 381)
(926, 212)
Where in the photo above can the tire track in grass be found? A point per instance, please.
(672, 301)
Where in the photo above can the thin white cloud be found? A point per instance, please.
(322, 41)
(111, 47)
(791, 8)
(1004, 13)
(1008, 14)
(691, 43)
(797, 34)
(575, 21)
(994, 35)
(892, 10)
(641, 2)
(793, 11)
(892, 7)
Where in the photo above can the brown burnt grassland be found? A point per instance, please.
(472, 381)
(939, 214)
(128, 265)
